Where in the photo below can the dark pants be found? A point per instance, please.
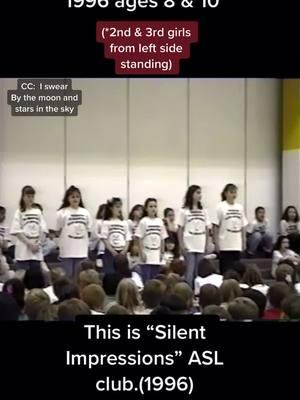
(28, 264)
(149, 271)
(227, 260)
(294, 239)
(108, 262)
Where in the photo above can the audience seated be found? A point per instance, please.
(86, 277)
(259, 299)
(68, 310)
(230, 289)
(122, 267)
(110, 284)
(185, 292)
(209, 295)
(253, 279)
(9, 309)
(128, 296)
(206, 274)
(243, 309)
(116, 309)
(152, 295)
(217, 310)
(64, 289)
(94, 296)
(276, 294)
(36, 301)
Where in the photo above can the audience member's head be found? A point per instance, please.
(110, 283)
(243, 308)
(171, 282)
(87, 277)
(240, 267)
(230, 289)
(206, 268)
(93, 295)
(285, 273)
(277, 293)
(185, 292)
(232, 274)
(217, 310)
(68, 310)
(259, 299)
(178, 267)
(161, 310)
(56, 273)
(34, 279)
(174, 303)
(9, 309)
(36, 300)
(64, 289)
(209, 295)
(16, 289)
(117, 309)
(287, 303)
(86, 265)
(128, 295)
(122, 266)
(153, 293)
(252, 276)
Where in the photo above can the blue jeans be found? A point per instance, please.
(28, 264)
(263, 240)
(71, 265)
(192, 261)
(108, 262)
(149, 271)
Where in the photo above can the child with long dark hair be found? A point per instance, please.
(73, 225)
(193, 231)
(29, 227)
(151, 233)
(229, 228)
(96, 242)
(115, 234)
(290, 227)
(135, 215)
(282, 252)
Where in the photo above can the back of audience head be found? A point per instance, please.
(217, 310)
(277, 293)
(68, 310)
(185, 292)
(232, 274)
(174, 303)
(291, 306)
(230, 289)
(240, 267)
(252, 276)
(36, 300)
(87, 265)
(259, 299)
(16, 289)
(153, 293)
(122, 266)
(243, 308)
(34, 279)
(110, 283)
(171, 281)
(286, 273)
(56, 273)
(209, 295)
(87, 277)
(161, 310)
(206, 268)
(64, 289)
(117, 309)
(9, 309)
(178, 267)
(128, 295)
(93, 295)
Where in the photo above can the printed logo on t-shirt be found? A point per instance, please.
(3, 232)
(116, 236)
(77, 226)
(292, 228)
(31, 225)
(196, 222)
(234, 220)
(152, 240)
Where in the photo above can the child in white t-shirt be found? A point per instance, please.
(290, 227)
(73, 225)
(115, 234)
(282, 252)
(135, 215)
(96, 242)
(229, 228)
(194, 225)
(171, 253)
(4, 232)
(151, 232)
(207, 275)
(29, 227)
(259, 233)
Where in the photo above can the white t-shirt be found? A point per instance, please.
(213, 279)
(278, 256)
(297, 287)
(286, 228)
(96, 238)
(132, 226)
(261, 288)
(32, 224)
(152, 231)
(93, 312)
(75, 225)
(257, 226)
(194, 224)
(116, 232)
(230, 218)
(137, 280)
(4, 232)
(50, 292)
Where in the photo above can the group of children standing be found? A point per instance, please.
(151, 240)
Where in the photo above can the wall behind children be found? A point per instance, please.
(136, 138)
